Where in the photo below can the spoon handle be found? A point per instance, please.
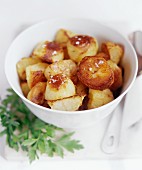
(110, 141)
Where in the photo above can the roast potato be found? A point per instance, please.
(35, 74)
(114, 51)
(66, 54)
(62, 36)
(67, 67)
(58, 87)
(95, 73)
(99, 98)
(118, 79)
(48, 52)
(80, 46)
(81, 89)
(69, 73)
(37, 93)
(22, 64)
(102, 55)
(67, 104)
(25, 88)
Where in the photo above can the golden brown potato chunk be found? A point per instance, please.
(95, 73)
(45, 104)
(114, 51)
(66, 67)
(62, 36)
(25, 88)
(72, 72)
(48, 52)
(99, 98)
(102, 55)
(35, 74)
(67, 104)
(80, 46)
(66, 54)
(59, 87)
(37, 93)
(22, 64)
(118, 79)
(81, 89)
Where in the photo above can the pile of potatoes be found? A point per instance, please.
(72, 72)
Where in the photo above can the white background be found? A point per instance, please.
(16, 15)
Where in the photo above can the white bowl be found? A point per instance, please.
(26, 41)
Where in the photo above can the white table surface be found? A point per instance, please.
(16, 15)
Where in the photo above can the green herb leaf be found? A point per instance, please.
(38, 124)
(50, 131)
(68, 144)
(41, 146)
(24, 130)
(65, 137)
(59, 151)
(3, 132)
(49, 149)
(71, 145)
(29, 142)
(32, 155)
(23, 135)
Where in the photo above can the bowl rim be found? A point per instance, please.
(70, 112)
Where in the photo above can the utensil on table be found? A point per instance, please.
(132, 111)
(111, 137)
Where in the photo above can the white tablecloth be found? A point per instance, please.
(123, 15)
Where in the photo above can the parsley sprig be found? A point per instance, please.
(24, 130)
